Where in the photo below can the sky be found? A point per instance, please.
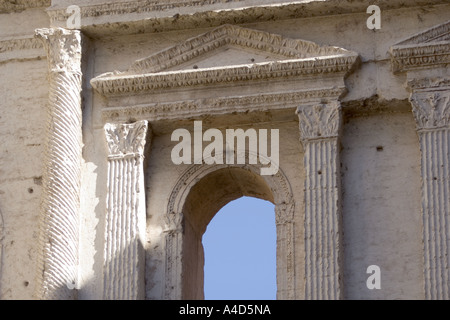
(240, 252)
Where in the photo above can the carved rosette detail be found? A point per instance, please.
(125, 212)
(59, 217)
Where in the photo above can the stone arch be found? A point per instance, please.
(189, 212)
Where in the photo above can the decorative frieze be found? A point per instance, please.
(111, 85)
(125, 212)
(21, 48)
(319, 128)
(189, 108)
(59, 216)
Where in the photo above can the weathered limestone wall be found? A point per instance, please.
(23, 99)
(380, 153)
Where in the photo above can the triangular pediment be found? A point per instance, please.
(436, 34)
(228, 55)
(424, 50)
(231, 45)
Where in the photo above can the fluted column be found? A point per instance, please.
(319, 128)
(431, 108)
(125, 212)
(59, 213)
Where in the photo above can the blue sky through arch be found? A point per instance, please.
(240, 252)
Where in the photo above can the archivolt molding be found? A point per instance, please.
(278, 183)
(424, 50)
(284, 218)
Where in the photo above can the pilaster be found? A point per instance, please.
(125, 212)
(319, 127)
(430, 101)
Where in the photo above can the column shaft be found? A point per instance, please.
(59, 219)
(125, 216)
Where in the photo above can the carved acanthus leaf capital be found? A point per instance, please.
(321, 120)
(126, 139)
(431, 109)
(63, 48)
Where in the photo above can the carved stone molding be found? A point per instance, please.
(319, 128)
(297, 58)
(229, 35)
(125, 212)
(424, 50)
(8, 6)
(319, 121)
(128, 16)
(284, 210)
(21, 48)
(189, 108)
(59, 217)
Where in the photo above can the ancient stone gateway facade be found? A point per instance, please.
(361, 115)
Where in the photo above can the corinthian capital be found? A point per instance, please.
(320, 120)
(431, 109)
(126, 139)
(63, 48)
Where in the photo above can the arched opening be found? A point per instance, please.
(240, 252)
(198, 195)
(204, 200)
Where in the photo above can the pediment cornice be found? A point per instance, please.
(296, 59)
(427, 49)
